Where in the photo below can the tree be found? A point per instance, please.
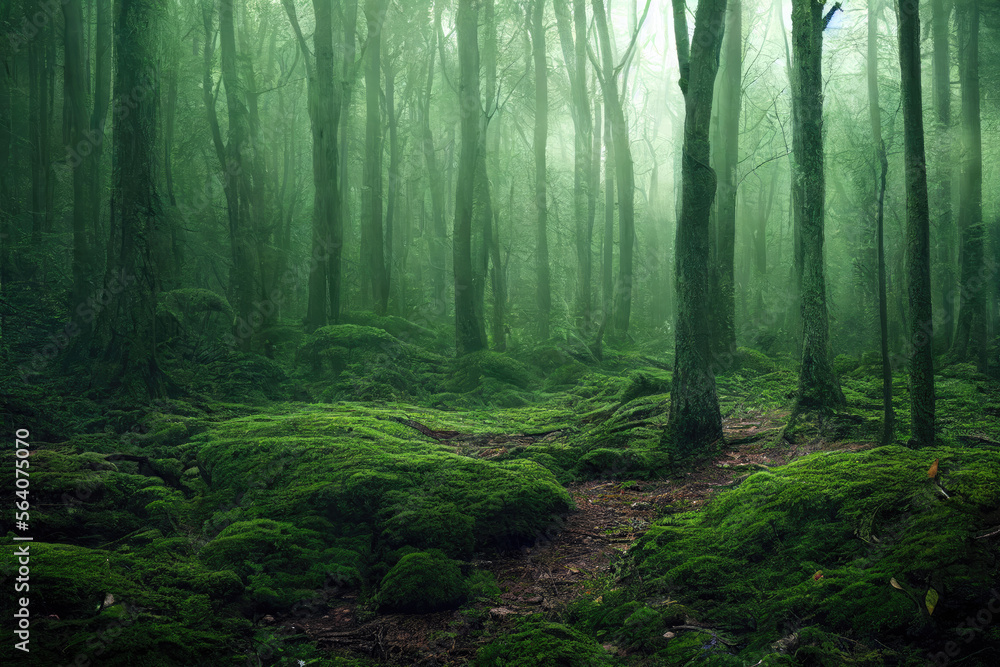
(695, 418)
(468, 327)
(970, 334)
(584, 196)
(875, 116)
(125, 338)
(607, 75)
(372, 243)
(730, 100)
(324, 116)
(544, 287)
(945, 227)
(819, 388)
(918, 260)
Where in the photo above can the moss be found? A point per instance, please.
(645, 383)
(845, 364)
(539, 643)
(471, 369)
(422, 582)
(753, 559)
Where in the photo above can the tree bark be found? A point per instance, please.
(695, 419)
(542, 271)
(970, 334)
(945, 242)
(819, 388)
(373, 271)
(918, 262)
(125, 338)
(468, 328)
(875, 116)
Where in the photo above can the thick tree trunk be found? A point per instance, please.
(970, 334)
(125, 338)
(819, 388)
(542, 272)
(695, 419)
(468, 328)
(374, 277)
(435, 183)
(918, 261)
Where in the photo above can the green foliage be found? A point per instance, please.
(422, 582)
(645, 383)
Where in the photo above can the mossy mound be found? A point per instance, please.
(539, 643)
(645, 383)
(422, 582)
(352, 472)
(816, 545)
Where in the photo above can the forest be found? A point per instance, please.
(502, 333)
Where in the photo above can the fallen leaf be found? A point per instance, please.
(818, 575)
(895, 584)
(931, 599)
(932, 472)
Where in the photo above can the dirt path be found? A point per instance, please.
(609, 517)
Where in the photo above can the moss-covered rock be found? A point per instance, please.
(645, 383)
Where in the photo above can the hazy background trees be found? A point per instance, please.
(509, 171)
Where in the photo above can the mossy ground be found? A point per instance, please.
(358, 469)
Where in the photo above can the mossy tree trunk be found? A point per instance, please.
(819, 388)
(695, 418)
(125, 338)
(918, 260)
(468, 328)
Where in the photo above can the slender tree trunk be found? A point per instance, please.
(695, 418)
(918, 262)
(98, 120)
(543, 278)
(483, 207)
(819, 388)
(80, 157)
(730, 100)
(608, 238)
(468, 329)
(438, 231)
(373, 271)
(125, 338)
(970, 335)
(392, 188)
(875, 115)
(624, 170)
(945, 228)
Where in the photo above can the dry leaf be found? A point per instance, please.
(895, 584)
(931, 599)
(932, 472)
(818, 575)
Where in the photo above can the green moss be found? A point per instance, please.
(422, 582)
(645, 383)
(540, 643)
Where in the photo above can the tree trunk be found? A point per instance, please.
(438, 232)
(970, 334)
(819, 388)
(392, 188)
(468, 329)
(542, 275)
(918, 261)
(695, 418)
(98, 120)
(730, 99)
(80, 158)
(945, 243)
(373, 271)
(624, 172)
(875, 115)
(125, 339)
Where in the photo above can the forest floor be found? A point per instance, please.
(578, 552)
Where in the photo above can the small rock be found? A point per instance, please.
(641, 505)
(668, 635)
(267, 619)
